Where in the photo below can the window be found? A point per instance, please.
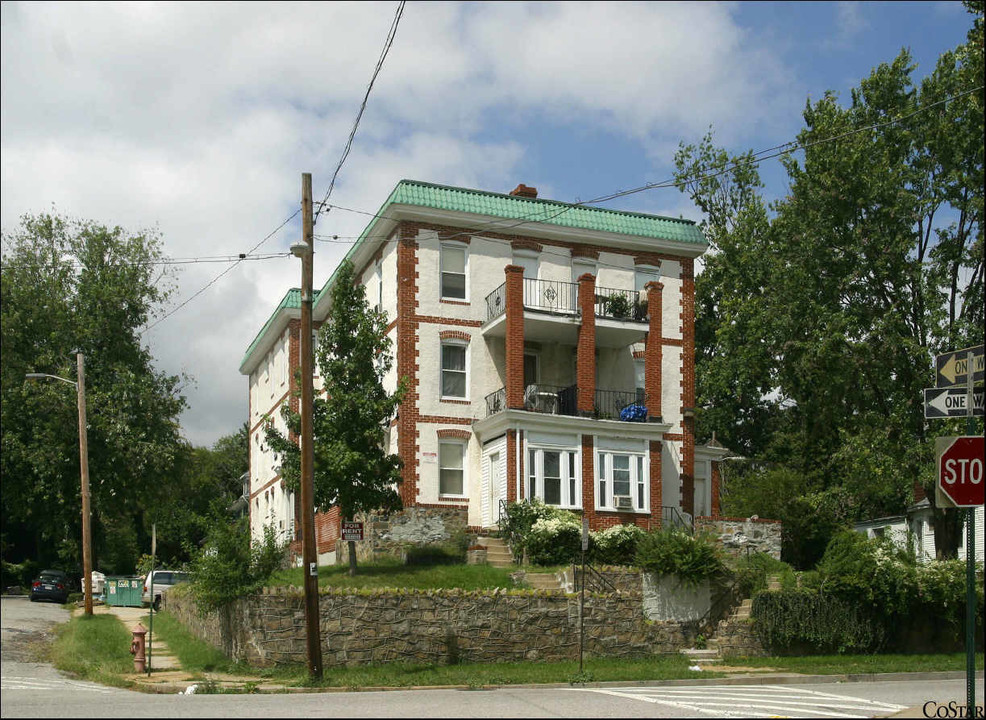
(451, 471)
(644, 274)
(528, 260)
(640, 380)
(581, 266)
(552, 476)
(379, 277)
(621, 475)
(453, 370)
(453, 267)
(530, 368)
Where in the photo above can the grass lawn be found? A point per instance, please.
(193, 655)
(94, 647)
(663, 667)
(852, 664)
(395, 575)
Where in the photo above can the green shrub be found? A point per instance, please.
(228, 568)
(875, 572)
(555, 541)
(753, 571)
(521, 516)
(615, 545)
(434, 554)
(805, 621)
(675, 552)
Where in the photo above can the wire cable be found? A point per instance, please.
(352, 133)
(220, 275)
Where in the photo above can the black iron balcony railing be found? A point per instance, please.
(496, 402)
(563, 400)
(609, 404)
(551, 296)
(496, 302)
(620, 305)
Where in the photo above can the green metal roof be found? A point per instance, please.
(549, 212)
(290, 301)
(512, 207)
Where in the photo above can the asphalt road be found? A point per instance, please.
(32, 689)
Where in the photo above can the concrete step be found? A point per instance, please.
(542, 581)
(701, 656)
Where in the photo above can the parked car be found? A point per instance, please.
(50, 585)
(164, 580)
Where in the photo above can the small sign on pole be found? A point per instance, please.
(352, 531)
(952, 402)
(953, 368)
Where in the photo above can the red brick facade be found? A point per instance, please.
(688, 384)
(514, 292)
(654, 351)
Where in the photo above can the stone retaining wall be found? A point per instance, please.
(742, 536)
(389, 534)
(736, 638)
(439, 627)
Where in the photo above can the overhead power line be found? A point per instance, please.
(352, 133)
(220, 275)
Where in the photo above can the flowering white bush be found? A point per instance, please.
(615, 545)
(555, 540)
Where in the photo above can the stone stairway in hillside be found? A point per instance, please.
(498, 555)
(712, 652)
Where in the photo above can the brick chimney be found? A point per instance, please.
(523, 191)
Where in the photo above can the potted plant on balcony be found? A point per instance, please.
(618, 306)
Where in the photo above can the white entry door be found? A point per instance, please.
(494, 491)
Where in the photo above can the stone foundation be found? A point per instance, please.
(744, 536)
(432, 627)
(736, 638)
(389, 534)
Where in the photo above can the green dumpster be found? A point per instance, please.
(124, 591)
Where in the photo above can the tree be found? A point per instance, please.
(353, 470)
(821, 317)
(68, 286)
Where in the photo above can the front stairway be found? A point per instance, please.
(498, 555)
(712, 653)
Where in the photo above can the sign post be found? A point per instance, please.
(960, 471)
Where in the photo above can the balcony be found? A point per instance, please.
(558, 400)
(551, 313)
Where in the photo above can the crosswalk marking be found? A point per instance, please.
(755, 700)
(22, 683)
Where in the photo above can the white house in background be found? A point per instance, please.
(916, 528)
(548, 349)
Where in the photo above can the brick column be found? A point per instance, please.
(654, 352)
(656, 486)
(586, 352)
(407, 363)
(589, 479)
(514, 291)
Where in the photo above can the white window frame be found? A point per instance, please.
(452, 245)
(569, 460)
(462, 446)
(441, 369)
(639, 480)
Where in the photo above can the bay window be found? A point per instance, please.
(621, 475)
(553, 476)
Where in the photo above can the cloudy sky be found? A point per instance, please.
(197, 120)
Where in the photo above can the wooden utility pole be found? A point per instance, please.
(84, 462)
(308, 552)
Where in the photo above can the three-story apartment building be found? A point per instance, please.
(548, 350)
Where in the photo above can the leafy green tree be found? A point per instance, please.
(820, 317)
(353, 470)
(72, 286)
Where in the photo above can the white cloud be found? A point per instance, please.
(198, 119)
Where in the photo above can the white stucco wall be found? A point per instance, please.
(671, 299)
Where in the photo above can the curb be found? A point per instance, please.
(739, 679)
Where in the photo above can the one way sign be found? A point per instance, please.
(951, 402)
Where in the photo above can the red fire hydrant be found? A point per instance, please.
(138, 648)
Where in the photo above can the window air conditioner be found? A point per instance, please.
(623, 502)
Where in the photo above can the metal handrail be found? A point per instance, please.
(496, 402)
(609, 403)
(727, 599)
(673, 516)
(595, 574)
(620, 304)
(496, 302)
(552, 296)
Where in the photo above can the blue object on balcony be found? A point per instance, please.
(634, 413)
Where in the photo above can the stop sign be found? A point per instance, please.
(960, 471)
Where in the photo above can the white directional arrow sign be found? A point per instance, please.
(951, 402)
